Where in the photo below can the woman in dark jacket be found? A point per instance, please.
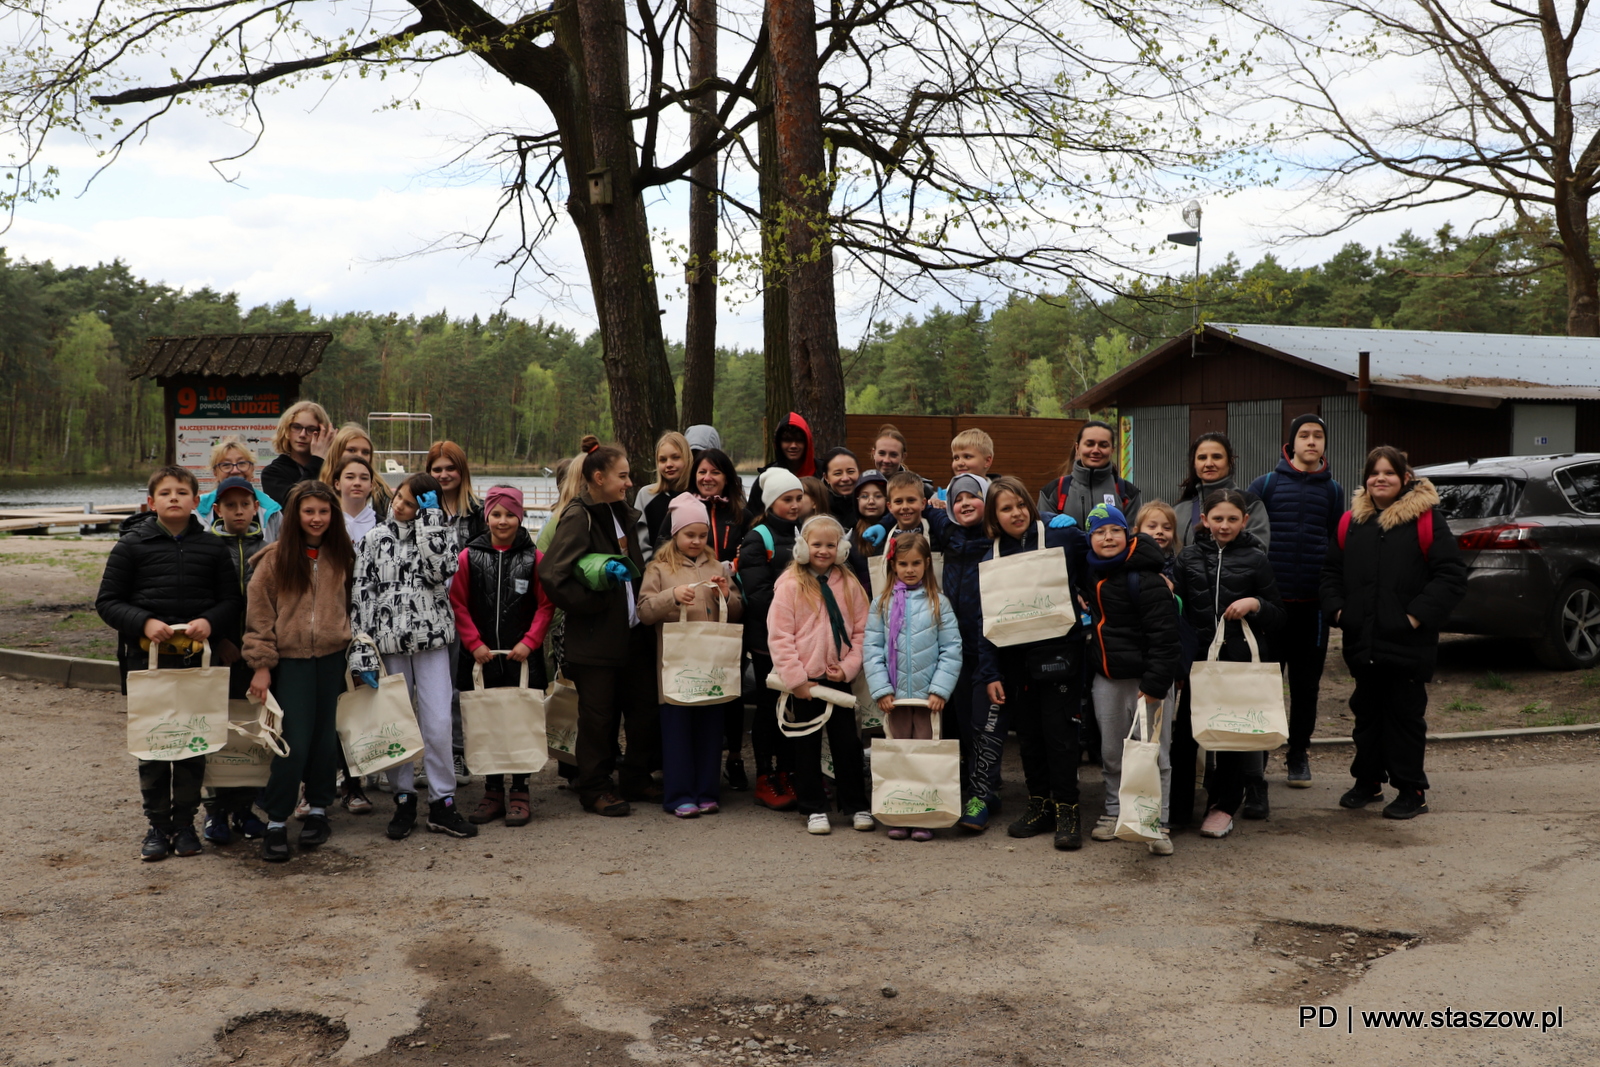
(1225, 580)
(1391, 579)
(608, 655)
(1212, 466)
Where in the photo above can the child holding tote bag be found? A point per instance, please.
(913, 649)
(685, 572)
(1225, 581)
(1134, 647)
(298, 629)
(816, 630)
(499, 605)
(402, 603)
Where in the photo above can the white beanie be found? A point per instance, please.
(776, 481)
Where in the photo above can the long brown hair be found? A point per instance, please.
(453, 452)
(991, 504)
(293, 567)
(895, 547)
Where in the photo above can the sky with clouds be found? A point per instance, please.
(335, 206)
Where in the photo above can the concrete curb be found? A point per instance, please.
(71, 671)
(1483, 735)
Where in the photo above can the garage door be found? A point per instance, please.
(1159, 438)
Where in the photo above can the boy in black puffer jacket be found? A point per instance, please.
(165, 570)
(1134, 648)
(1224, 579)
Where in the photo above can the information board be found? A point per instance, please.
(204, 414)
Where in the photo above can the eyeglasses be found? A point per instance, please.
(236, 465)
(295, 427)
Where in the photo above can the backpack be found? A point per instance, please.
(1424, 531)
(766, 539)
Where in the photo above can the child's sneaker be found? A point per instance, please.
(1361, 794)
(1218, 823)
(275, 844)
(185, 842)
(156, 845)
(1105, 828)
(303, 808)
(818, 824)
(898, 833)
(1162, 846)
(1408, 805)
(922, 835)
(975, 817)
(248, 826)
(316, 831)
(355, 798)
(687, 811)
(863, 821)
(405, 816)
(216, 829)
(443, 818)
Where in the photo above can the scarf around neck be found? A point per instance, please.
(897, 622)
(841, 635)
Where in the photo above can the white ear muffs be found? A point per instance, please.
(802, 551)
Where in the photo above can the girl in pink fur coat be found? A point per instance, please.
(816, 628)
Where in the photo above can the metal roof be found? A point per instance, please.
(231, 355)
(1510, 362)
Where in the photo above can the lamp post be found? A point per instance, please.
(1191, 238)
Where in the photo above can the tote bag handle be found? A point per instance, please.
(180, 628)
(683, 609)
(1249, 639)
(908, 702)
(477, 670)
(349, 679)
(1138, 730)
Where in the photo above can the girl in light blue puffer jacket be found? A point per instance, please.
(913, 649)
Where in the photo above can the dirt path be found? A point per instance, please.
(579, 940)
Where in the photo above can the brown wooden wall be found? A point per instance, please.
(1030, 449)
(1438, 433)
(1223, 373)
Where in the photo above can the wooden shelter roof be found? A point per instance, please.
(231, 355)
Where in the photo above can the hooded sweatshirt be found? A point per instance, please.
(806, 468)
(1078, 493)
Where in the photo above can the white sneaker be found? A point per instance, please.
(1105, 829)
(818, 824)
(864, 822)
(1162, 847)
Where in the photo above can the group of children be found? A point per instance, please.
(842, 578)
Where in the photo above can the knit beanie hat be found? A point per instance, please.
(1301, 420)
(686, 510)
(1106, 515)
(776, 481)
(975, 484)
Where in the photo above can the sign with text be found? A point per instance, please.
(203, 413)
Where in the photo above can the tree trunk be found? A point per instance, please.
(808, 249)
(1583, 278)
(774, 288)
(700, 330)
(616, 238)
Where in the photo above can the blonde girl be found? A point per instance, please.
(352, 440)
(816, 630)
(674, 475)
(305, 433)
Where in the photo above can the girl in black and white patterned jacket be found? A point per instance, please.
(402, 601)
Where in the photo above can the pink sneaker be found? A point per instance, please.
(922, 835)
(1218, 823)
(898, 833)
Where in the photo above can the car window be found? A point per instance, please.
(1581, 485)
(1475, 498)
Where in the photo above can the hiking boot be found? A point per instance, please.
(518, 811)
(316, 831)
(769, 792)
(738, 780)
(609, 804)
(405, 816)
(1408, 805)
(1299, 770)
(156, 845)
(275, 844)
(185, 842)
(490, 808)
(975, 817)
(443, 818)
(1069, 827)
(1361, 794)
(1040, 818)
(1105, 828)
(216, 828)
(1255, 804)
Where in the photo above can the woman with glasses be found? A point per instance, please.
(232, 458)
(305, 433)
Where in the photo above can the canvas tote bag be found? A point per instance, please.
(1027, 596)
(1237, 707)
(177, 712)
(503, 728)
(831, 698)
(561, 720)
(1139, 795)
(377, 727)
(700, 659)
(255, 735)
(916, 783)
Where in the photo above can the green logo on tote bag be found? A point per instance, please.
(911, 802)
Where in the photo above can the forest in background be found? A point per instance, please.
(66, 405)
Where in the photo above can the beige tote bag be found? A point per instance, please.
(503, 728)
(831, 698)
(1237, 707)
(255, 735)
(700, 659)
(1027, 596)
(177, 712)
(561, 720)
(1139, 794)
(377, 727)
(916, 783)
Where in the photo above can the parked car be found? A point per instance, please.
(1529, 531)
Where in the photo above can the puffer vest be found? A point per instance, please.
(502, 588)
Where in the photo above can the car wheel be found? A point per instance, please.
(1572, 639)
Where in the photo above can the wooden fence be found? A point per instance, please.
(1027, 448)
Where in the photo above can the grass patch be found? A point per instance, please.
(78, 621)
(1462, 704)
(1590, 679)
(1492, 680)
(1563, 718)
(1538, 707)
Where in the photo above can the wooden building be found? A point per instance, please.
(1028, 448)
(1438, 396)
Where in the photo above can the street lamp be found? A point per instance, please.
(1191, 238)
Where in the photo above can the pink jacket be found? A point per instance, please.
(798, 633)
